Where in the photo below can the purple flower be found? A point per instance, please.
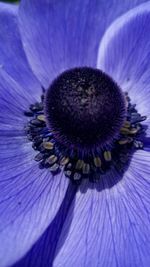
(100, 216)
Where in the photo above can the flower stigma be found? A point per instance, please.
(83, 125)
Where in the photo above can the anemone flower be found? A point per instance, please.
(74, 146)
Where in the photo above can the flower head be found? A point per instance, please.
(74, 147)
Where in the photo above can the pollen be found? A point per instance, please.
(48, 145)
(41, 118)
(52, 159)
(97, 162)
(107, 155)
(64, 161)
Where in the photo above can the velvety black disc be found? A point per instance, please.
(84, 107)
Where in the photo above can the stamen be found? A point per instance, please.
(107, 155)
(97, 162)
(64, 161)
(41, 118)
(48, 145)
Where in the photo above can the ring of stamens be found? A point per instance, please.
(56, 157)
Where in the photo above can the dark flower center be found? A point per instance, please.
(84, 107)
(84, 125)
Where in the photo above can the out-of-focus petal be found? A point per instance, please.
(58, 35)
(12, 56)
(29, 197)
(111, 224)
(124, 54)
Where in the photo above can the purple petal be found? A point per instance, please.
(46, 245)
(124, 54)
(13, 102)
(58, 35)
(111, 224)
(29, 197)
(12, 56)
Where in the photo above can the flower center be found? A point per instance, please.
(84, 126)
(84, 108)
